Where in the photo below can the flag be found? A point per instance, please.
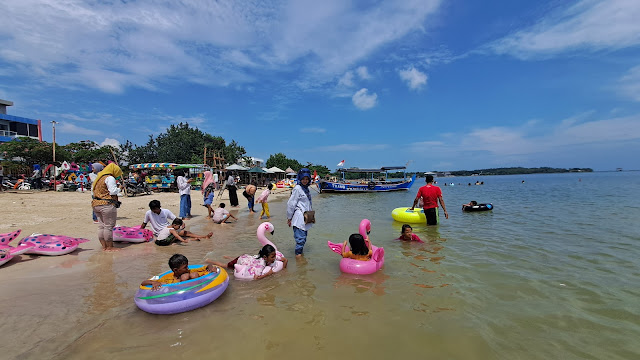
(341, 163)
(315, 175)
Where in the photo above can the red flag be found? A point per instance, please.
(341, 163)
(315, 175)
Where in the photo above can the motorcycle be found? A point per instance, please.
(132, 188)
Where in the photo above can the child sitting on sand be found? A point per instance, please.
(176, 233)
(262, 199)
(259, 266)
(221, 215)
(179, 264)
(408, 235)
(359, 248)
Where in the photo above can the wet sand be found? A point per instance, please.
(49, 302)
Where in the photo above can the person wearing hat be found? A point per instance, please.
(105, 203)
(95, 169)
(298, 204)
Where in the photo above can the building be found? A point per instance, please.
(12, 126)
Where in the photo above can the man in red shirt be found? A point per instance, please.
(430, 195)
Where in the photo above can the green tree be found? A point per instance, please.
(233, 152)
(280, 160)
(321, 169)
(30, 151)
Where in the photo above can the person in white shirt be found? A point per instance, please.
(184, 187)
(158, 218)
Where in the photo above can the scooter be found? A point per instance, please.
(132, 189)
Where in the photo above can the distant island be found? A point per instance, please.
(511, 171)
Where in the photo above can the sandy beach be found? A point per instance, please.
(47, 298)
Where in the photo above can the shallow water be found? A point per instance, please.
(551, 272)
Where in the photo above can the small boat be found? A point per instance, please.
(371, 185)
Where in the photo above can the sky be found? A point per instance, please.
(437, 85)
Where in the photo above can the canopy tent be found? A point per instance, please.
(276, 169)
(257, 170)
(163, 166)
(292, 174)
(268, 171)
(237, 167)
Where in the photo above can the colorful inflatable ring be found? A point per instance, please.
(359, 267)
(7, 252)
(279, 265)
(182, 296)
(132, 234)
(51, 244)
(405, 215)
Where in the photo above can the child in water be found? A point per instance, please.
(359, 248)
(471, 203)
(259, 266)
(408, 235)
(262, 199)
(179, 264)
(176, 233)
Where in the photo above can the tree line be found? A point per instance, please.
(180, 144)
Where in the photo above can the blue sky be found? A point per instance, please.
(447, 85)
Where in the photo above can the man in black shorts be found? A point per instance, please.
(430, 195)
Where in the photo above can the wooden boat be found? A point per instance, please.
(371, 185)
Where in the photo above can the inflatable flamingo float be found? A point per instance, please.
(46, 244)
(239, 272)
(132, 234)
(8, 252)
(353, 266)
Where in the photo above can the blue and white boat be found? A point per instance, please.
(374, 183)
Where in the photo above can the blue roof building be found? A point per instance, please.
(12, 126)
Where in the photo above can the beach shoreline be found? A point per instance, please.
(82, 286)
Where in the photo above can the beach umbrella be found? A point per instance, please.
(289, 170)
(236, 167)
(276, 169)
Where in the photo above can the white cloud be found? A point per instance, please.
(587, 25)
(114, 45)
(414, 78)
(111, 142)
(313, 130)
(629, 84)
(363, 100)
(528, 139)
(363, 73)
(346, 80)
(69, 128)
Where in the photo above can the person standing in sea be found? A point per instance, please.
(430, 196)
(233, 195)
(299, 202)
(105, 203)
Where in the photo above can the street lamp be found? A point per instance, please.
(53, 123)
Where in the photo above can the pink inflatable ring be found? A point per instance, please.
(359, 267)
(132, 234)
(8, 252)
(238, 271)
(51, 244)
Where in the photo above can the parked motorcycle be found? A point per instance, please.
(133, 189)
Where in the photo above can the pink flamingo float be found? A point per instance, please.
(46, 244)
(132, 234)
(239, 272)
(8, 252)
(353, 266)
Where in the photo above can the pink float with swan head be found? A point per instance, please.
(353, 266)
(46, 244)
(132, 234)
(239, 272)
(7, 252)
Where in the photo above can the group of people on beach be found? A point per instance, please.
(168, 228)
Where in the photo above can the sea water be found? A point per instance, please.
(551, 273)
